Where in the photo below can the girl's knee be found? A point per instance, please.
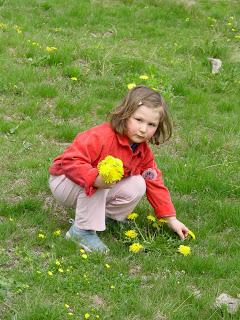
(140, 185)
(135, 188)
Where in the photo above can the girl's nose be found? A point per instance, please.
(143, 127)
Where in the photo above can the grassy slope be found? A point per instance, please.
(107, 45)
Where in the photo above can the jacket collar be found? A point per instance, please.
(123, 140)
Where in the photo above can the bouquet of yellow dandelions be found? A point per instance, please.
(111, 169)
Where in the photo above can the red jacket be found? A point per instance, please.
(79, 163)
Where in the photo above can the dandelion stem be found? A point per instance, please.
(140, 232)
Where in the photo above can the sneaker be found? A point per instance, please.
(87, 239)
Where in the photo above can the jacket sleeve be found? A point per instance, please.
(156, 192)
(78, 158)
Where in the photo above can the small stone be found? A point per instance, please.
(216, 64)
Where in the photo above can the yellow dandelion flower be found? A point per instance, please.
(70, 314)
(151, 218)
(237, 36)
(107, 266)
(41, 236)
(112, 286)
(185, 250)
(10, 219)
(135, 247)
(3, 26)
(57, 233)
(17, 28)
(74, 78)
(144, 77)
(82, 250)
(57, 262)
(51, 49)
(67, 306)
(87, 315)
(162, 221)
(192, 234)
(84, 256)
(60, 270)
(131, 86)
(132, 216)
(131, 234)
(111, 169)
(50, 273)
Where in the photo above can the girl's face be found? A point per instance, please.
(142, 124)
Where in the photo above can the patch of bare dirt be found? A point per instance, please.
(135, 270)
(195, 291)
(235, 55)
(37, 250)
(56, 209)
(13, 198)
(187, 3)
(19, 182)
(186, 197)
(97, 301)
(160, 316)
(13, 259)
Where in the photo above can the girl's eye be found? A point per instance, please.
(139, 120)
(153, 125)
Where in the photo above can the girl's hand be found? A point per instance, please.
(100, 184)
(178, 227)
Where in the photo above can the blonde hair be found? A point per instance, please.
(136, 97)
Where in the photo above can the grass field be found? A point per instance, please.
(63, 66)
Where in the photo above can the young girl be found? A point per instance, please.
(141, 118)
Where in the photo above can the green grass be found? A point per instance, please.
(106, 45)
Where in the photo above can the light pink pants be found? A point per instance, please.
(115, 203)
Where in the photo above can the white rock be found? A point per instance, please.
(231, 303)
(216, 64)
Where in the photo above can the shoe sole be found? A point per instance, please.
(68, 237)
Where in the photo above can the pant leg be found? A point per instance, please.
(89, 211)
(123, 198)
(64, 190)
